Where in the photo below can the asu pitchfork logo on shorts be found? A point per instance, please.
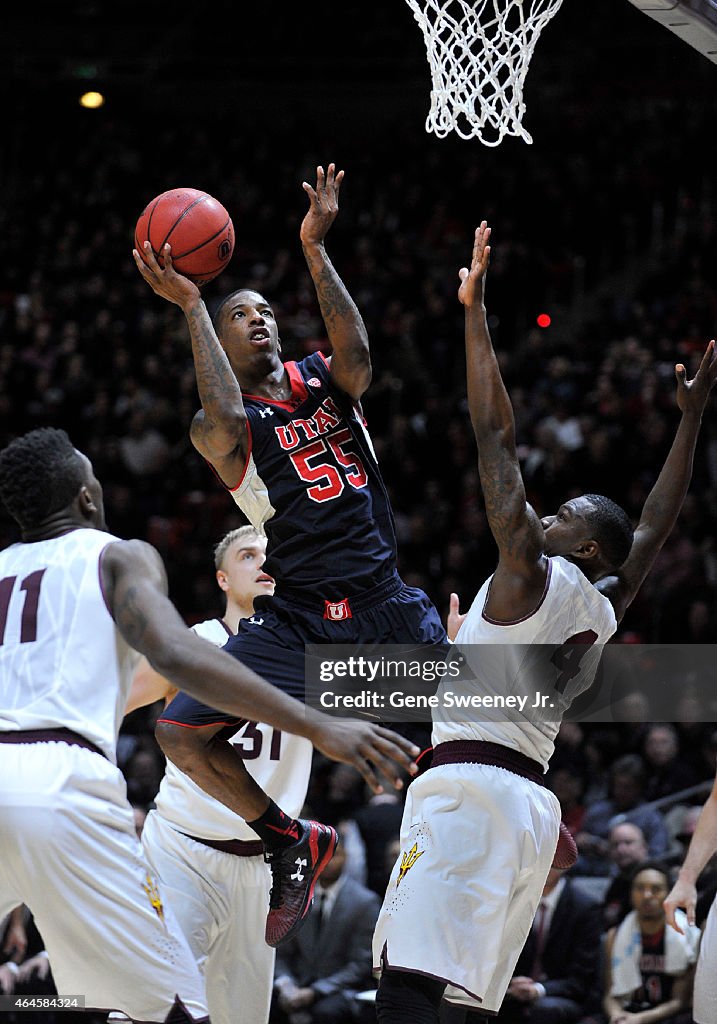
(407, 862)
(155, 899)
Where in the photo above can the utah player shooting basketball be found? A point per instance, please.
(480, 828)
(289, 443)
(76, 606)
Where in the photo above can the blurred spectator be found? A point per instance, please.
(625, 801)
(379, 822)
(666, 773)
(568, 784)
(143, 448)
(144, 771)
(627, 849)
(649, 966)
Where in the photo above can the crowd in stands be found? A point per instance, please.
(616, 192)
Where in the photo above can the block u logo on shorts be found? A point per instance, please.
(337, 610)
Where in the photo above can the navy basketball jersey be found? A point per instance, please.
(312, 483)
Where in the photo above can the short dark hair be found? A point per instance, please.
(611, 527)
(217, 315)
(650, 865)
(629, 764)
(40, 473)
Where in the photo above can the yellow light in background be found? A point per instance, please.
(92, 100)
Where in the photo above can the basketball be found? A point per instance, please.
(198, 228)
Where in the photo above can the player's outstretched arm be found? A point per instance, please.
(219, 430)
(350, 361)
(148, 686)
(663, 504)
(702, 846)
(513, 523)
(135, 587)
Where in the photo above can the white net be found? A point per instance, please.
(479, 53)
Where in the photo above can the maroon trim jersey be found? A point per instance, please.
(313, 485)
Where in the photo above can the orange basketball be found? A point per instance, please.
(197, 227)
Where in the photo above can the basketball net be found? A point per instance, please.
(479, 54)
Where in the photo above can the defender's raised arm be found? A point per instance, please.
(520, 575)
(664, 501)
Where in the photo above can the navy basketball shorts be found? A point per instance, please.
(272, 641)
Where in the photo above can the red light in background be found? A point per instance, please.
(543, 320)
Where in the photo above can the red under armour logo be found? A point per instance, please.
(337, 610)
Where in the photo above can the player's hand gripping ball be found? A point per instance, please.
(198, 228)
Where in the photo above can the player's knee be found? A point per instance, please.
(176, 743)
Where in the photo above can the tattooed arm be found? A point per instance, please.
(663, 503)
(519, 579)
(219, 430)
(350, 360)
(134, 583)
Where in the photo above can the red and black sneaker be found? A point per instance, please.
(294, 871)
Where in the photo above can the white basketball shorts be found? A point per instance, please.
(69, 851)
(220, 901)
(477, 843)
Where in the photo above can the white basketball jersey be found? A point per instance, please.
(524, 659)
(279, 761)
(63, 662)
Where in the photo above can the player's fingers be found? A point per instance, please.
(454, 604)
(463, 273)
(310, 191)
(680, 373)
(141, 265)
(320, 179)
(369, 775)
(396, 740)
(337, 182)
(386, 756)
(708, 354)
(167, 256)
(711, 361)
(670, 906)
(150, 259)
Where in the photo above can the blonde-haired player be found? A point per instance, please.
(210, 862)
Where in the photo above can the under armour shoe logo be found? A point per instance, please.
(266, 412)
(298, 875)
